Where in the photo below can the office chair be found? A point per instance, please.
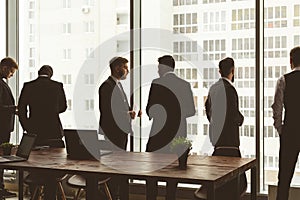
(78, 181)
(39, 185)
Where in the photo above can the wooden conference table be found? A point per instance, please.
(213, 171)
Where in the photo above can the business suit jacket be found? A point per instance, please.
(170, 102)
(222, 110)
(7, 111)
(115, 121)
(43, 99)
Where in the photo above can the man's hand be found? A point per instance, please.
(132, 114)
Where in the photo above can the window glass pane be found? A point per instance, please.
(78, 43)
(211, 48)
(277, 62)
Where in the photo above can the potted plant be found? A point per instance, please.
(6, 148)
(181, 146)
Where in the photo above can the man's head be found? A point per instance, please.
(46, 70)
(226, 68)
(8, 67)
(166, 64)
(295, 57)
(119, 67)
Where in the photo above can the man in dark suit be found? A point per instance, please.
(287, 98)
(44, 99)
(170, 102)
(222, 110)
(41, 101)
(116, 116)
(7, 111)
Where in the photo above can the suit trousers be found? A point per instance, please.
(288, 155)
(4, 137)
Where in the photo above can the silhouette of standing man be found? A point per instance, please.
(170, 102)
(222, 111)
(44, 99)
(116, 116)
(287, 97)
(41, 101)
(7, 111)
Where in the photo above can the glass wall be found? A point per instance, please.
(282, 33)
(76, 38)
(199, 36)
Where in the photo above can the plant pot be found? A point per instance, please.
(7, 151)
(182, 159)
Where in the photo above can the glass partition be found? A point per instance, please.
(281, 34)
(76, 38)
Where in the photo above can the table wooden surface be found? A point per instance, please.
(212, 171)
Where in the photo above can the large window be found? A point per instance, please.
(227, 32)
(282, 33)
(76, 38)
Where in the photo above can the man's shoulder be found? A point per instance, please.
(108, 83)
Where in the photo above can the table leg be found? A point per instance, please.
(253, 183)
(237, 180)
(211, 191)
(91, 187)
(21, 175)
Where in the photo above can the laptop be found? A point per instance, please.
(24, 149)
(84, 144)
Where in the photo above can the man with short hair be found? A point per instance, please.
(116, 116)
(40, 103)
(170, 103)
(287, 97)
(222, 111)
(7, 111)
(43, 99)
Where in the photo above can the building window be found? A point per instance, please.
(243, 48)
(296, 21)
(122, 46)
(192, 129)
(185, 51)
(67, 28)
(243, 19)
(66, 54)
(66, 3)
(69, 104)
(275, 47)
(296, 40)
(205, 129)
(275, 17)
(89, 53)
(122, 18)
(89, 27)
(89, 2)
(184, 2)
(31, 62)
(89, 104)
(214, 49)
(213, 1)
(185, 23)
(89, 79)
(214, 21)
(67, 79)
(31, 5)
